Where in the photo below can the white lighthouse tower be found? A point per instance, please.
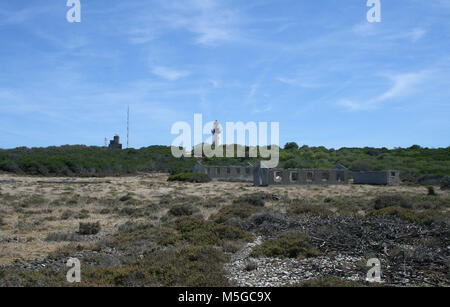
(217, 134)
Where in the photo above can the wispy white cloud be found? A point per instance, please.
(21, 16)
(297, 82)
(402, 85)
(142, 35)
(414, 35)
(371, 29)
(170, 73)
(211, 21)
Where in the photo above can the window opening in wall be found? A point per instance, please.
(278, 177)
(294, 176)
(325, 177)
(309, 177)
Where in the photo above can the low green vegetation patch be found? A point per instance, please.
(183, 210)
(423, 217)
(235, 211)
(200, 232)
(190, 177)
(298, 208)
(290, 245)
(79, 160)
(89, 228)
(250, 199)
(392, 201)
(192, 266)
(186, 229)
(59, 237)
(131, 234)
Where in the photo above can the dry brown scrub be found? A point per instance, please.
(32, 212)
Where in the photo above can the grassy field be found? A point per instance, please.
(156, 232)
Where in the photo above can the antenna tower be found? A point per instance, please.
(128, 126)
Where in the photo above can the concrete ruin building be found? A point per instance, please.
(287, 177)
(279, 176)
(381, 178)
(227, 173)
(115, 143)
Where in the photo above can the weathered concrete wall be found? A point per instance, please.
(305, 177)
(284, 177)
(377, 178)
(226, 173)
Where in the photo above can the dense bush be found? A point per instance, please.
(59, 237)
(298, 208)
(391, 201)
(413, 162)
(431, 191)
(132, 234)
(188, 266)
(197, 231)
(291, 145)
(183, 210)
(89, 228)
(235, 211)
(291, 245)
(409, 215)
(190, 177)
(251, 199)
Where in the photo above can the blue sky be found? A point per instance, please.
(319, 68)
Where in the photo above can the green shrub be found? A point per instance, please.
(291, 245)
(89, 228)
(290, 145)
(235, 211)
(409, 215)
(190, 177)
(183, 210)
(199, 232)
(391, 201)
(134, 234)
(251, 199)
(59, 237)
(67, 214)
(431, 191)
(298, 208)
(191, 266)
(126, 197)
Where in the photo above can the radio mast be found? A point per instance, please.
(128, 126)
